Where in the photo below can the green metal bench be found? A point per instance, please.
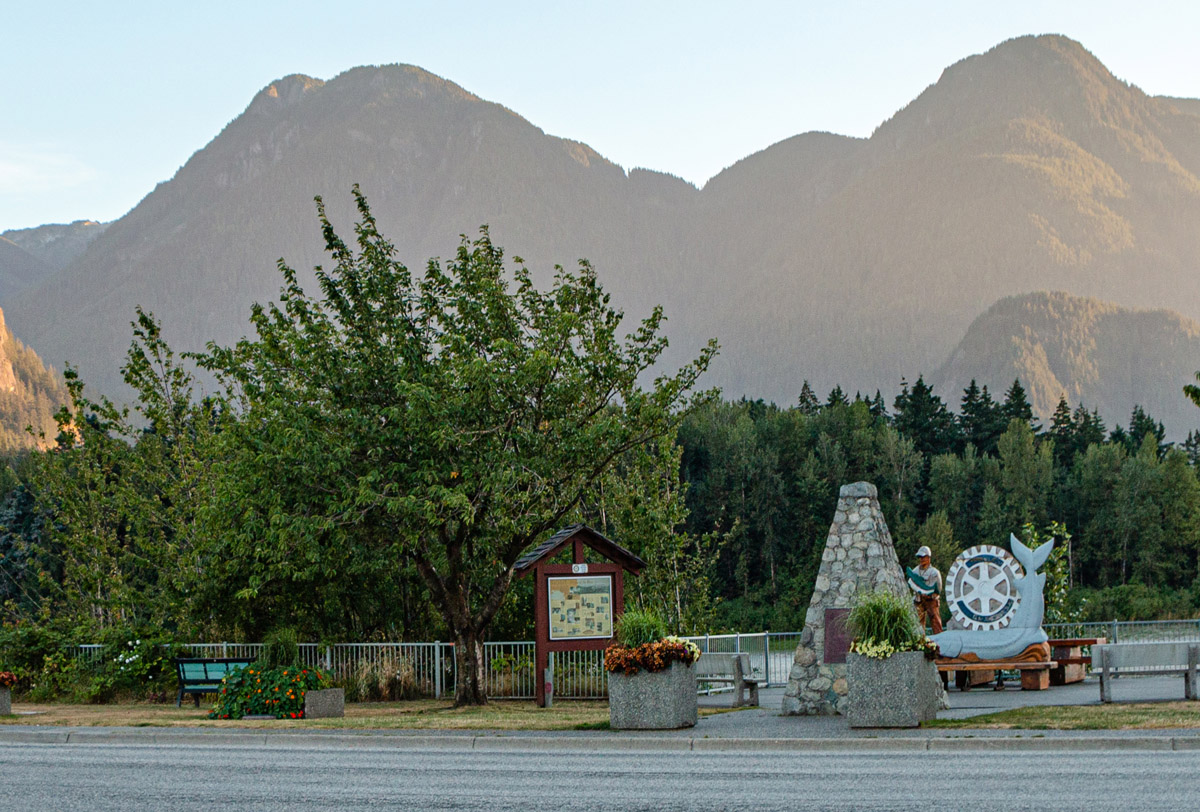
(203, 675)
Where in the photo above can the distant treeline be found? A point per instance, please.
(766, 477)
(761, 486)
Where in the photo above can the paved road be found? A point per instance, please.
(310, 776)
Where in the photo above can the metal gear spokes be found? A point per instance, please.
(981, 587)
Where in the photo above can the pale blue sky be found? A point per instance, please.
(102, 101)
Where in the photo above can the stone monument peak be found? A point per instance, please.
(859, 557)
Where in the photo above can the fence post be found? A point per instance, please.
(437, 669)
(224, 649)
(549, 678)
(1114, 631)
(329, 658)
(737, 643)
(767, 656)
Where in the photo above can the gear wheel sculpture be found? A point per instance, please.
(981, 587)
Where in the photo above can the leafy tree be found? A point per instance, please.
(642, 504)
(449, 420)
(1193, 391)
(124, 491)
(1026, 474)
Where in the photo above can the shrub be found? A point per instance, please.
(255, 691)
(883, 623)
(280, 650)
(637, 628)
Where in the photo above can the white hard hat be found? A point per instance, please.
(923, 551)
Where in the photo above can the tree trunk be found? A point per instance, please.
(471, 686)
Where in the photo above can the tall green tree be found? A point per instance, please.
(449, 419)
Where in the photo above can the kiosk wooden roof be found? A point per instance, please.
(579, 535)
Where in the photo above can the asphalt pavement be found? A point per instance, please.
(317, 775)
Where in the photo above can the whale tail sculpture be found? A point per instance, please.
(1024, 628)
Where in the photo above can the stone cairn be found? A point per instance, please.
(859, 557)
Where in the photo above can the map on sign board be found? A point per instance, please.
(580, 607)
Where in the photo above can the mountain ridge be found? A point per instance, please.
(855, 262)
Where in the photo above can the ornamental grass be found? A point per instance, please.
(884, 624)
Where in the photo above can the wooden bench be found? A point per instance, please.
(1035, 676)
(733, 669)
(1146, 659)
(203, 675)
(1072, 662)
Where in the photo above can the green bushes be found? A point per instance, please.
(255, 691)
(49, 665)
(636, 628)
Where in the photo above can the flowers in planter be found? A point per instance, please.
(255, 691)
(884, 624)
(642, 644)
(8, 679)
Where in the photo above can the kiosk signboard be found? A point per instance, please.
(580, 607)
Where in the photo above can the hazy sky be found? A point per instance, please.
(102, 101)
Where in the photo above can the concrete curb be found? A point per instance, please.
(141, 737)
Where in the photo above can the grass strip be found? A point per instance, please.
(1114, 716)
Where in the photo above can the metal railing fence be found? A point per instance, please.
(430, 669)
(1128, 631)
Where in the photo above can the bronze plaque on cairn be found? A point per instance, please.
(837, 636)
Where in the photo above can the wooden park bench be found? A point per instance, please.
(1072, 662)
(729, 668)
(1035, 676)
(1146, 659)
(203, 675)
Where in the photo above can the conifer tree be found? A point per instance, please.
(1062, 431)
(808, 404)
(1016, 406)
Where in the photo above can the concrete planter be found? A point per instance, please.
(329, 703)
(900, 691)
(653, 700)
(5, 701)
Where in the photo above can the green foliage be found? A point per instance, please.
(255, 691)
(637, 627)
(448, 420)
(641, 503)
(280, 650)
(884, 618)
(1062, 606)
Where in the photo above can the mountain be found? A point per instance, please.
(19, 269)
(1107, 357)
(841, 260)
(58, 244)
(30, 394)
